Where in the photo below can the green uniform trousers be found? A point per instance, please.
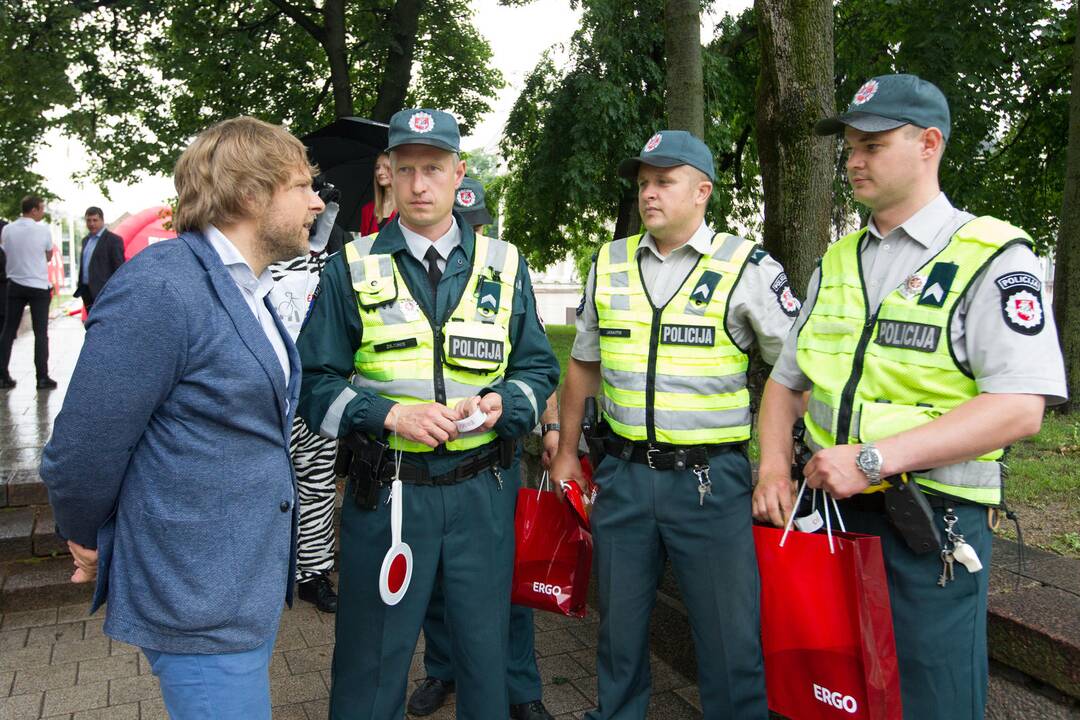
(522, 676)
(940, 631)
(463, 532)
(643, 517)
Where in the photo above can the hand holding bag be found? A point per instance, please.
(827, 632)
(553, 551)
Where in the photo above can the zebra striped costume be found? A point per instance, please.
(312, 455)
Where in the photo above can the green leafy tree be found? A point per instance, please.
(571, 126)
(134, 80)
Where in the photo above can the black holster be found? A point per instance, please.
(910, 513)
(592, 432)
(362, 458)
(802, 453)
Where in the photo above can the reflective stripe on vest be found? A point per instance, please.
(863, 364)
(672, 374)
(398, 359)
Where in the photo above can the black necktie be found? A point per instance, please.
(434, 274)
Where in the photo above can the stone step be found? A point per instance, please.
(21, 485)
(28, 532)
(40, 583)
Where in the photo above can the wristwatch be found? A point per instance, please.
(869, 460)
(548, 427)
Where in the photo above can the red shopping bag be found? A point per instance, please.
(553, 551)
(827, 631)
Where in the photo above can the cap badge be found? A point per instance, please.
(466, 198)
(421, 122)
(867, 91)
(653, 143)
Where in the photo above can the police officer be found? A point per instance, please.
(523, 682)
(667, 321)
(414, 328)
(926, 347)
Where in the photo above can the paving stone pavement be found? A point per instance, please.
(56, 663)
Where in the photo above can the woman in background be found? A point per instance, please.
(381, 210)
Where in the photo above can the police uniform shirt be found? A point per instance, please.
(418, 244)
(1001, 356)
(755, 310)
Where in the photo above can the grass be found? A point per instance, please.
(1042, 484)
(561, 338)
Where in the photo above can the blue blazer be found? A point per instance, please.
(171, 456)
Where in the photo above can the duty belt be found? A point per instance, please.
(662, 456)
(487, 459)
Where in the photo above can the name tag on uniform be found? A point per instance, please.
(476, 349)
(615, 332)
(908, 335)
(697, 335)
(395, 345)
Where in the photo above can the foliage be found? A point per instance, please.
(1004, 66)
(134, 80)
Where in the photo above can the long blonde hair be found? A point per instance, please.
(231, 170)
(380, 192)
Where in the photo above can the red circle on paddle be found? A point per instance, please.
(399, 569)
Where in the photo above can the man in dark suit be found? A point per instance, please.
(102, 254)
(169, 473)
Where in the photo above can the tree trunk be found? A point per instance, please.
(334, 44)
(397, 73)
(1066, 277)
(684, 93)
(795, 89)
(627, 220)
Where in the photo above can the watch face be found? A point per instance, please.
(869, 459)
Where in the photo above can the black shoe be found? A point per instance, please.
(534, 710)
(6, 383)
(320, 591)
(430, 696)
(45, 383)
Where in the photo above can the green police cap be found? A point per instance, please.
(422, 126)
(469, 203)
(669, 148)
(889, 101)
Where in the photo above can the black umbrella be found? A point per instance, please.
(345, 151)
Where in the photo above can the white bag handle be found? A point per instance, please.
(545, 484)
(813, 504)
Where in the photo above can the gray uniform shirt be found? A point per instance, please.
(755, 309)
(1001, 359)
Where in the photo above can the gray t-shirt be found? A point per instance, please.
(756, 311)
(1000, 357)
(25, 243)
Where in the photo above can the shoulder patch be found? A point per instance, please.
(1021, 302)
(581, 305)
(789, 304)
(757, 255)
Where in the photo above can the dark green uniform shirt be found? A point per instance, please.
(333, 331)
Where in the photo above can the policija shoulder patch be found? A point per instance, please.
(1021, 302)
(784, 297)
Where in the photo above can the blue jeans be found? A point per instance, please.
(229, 686)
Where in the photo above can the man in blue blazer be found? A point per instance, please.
(168, 469)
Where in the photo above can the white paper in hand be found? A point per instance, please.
(472, 422)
